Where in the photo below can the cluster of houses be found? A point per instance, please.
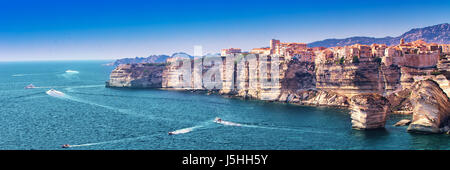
(418, 54)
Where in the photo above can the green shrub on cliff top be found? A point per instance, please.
(435, 73)
(341, 61)
(355, 59)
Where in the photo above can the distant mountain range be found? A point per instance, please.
(433, 34)
(149, 59)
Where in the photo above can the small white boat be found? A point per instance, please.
(55, 93)
(31, 86)
(72, 72)
(217, 120)
(220, 121)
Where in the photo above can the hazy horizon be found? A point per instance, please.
(106, 30)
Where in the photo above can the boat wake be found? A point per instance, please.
(110, 142)
(185, 130)
(284, 129)
(62, 95)
(70, 87)
(31, 74)
(21, 75)
(202, 125)
(228, 123)
(58, 94)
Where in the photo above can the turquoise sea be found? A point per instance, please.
(91, 117)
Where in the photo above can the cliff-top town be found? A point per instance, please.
(414, 54)
(372, 81)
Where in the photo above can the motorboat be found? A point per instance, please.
(53, 92)
(31, 86)
(72, 72)
(66, 146)
(218, 120)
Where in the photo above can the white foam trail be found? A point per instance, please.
(228, 123)
(49, 87)
(111, 141)
(185, 130)
(29, 74)
(180, 131)
(32, 97)
(21, 75)
(59, 94)
(86, 86)
(124, 111)
(286, 129)
(71, 87)
(72, 72)
(190, 129)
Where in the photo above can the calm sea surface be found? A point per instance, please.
(90, 116)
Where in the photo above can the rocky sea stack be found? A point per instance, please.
(368, 111)
(431, 107)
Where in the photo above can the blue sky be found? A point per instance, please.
(110, 29)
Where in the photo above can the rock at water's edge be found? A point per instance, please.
(431, 107)
(403, 122)
(368, 111)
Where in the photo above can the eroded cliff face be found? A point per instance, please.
(370, 89)
(298, 76)
(298, 86)
(400, 102)
(322, 83)
(348, 79)
(400, 98)
(256, 77)
(136, 76)
(431, 107)
(317, 98)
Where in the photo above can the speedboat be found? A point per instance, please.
(170, 133)
(53, 92)
(72, 72)
(31, 86)
(66, 146)
(218, 120)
